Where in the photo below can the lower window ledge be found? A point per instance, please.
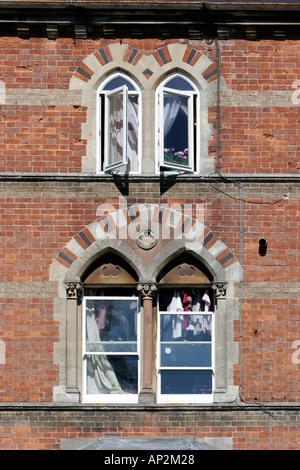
(146, 397)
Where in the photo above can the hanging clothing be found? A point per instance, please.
(175, 304)
(197, 302)
(199, 320)
(100, 318)
(185, 322)
(185, 302)
(206, 300)
(177, 320)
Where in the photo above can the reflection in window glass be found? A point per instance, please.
(132, 132)
(179, 83)
(119, 120)
(182, 382)
(186, 336)
(185, 355)
(116, 128)
(118, 82)
(191, 327)
(111, 347)
(112, 374)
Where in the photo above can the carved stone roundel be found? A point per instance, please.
(146, 239)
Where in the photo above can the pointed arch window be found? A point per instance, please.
(185, 345)
(110, 333)
(177, 124)
(119, 124)
(163, 342)
(185, 360)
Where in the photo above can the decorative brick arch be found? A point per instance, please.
(146, 65)
(100, 237)
(188, 233)
(147, 70)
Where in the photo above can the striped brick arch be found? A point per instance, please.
(193, 234)
(147, 66)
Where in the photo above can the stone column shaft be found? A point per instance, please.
(148, 292)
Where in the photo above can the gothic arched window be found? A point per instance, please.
(178, 124)
(119, 124)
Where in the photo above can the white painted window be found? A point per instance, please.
(111, 349)
(177, 124)
(185, 347)
(119, 124)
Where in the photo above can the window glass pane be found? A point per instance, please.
(118, 82)
(111, 327)
(192, 299)
(176, 129)
(185, 355)
(186, 382)
(132, 133)
(111, 320)
(109, 292)
(178, 83)
(112, 347)
(116, 115)
(112, 374)
(191, 327)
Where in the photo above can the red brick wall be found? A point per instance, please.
(36, 229)
(41, 138)
(29, 333)
(254, 140)
(38, 219)
(249, 429)
(260, 140)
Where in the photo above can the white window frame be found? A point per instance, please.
(184, 398)
(193, 123)
(102, 124)
(107, 165)
(115, 398)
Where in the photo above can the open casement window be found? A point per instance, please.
(185, 337)
(177, 124)
(119, 125)
(115, 152)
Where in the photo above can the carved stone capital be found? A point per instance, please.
(74, 290)
(148, 291)
(220, 289)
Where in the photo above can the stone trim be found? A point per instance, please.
(220, 290)
(74, 291)
(147, 70)
(101, 237)
(147, 291)
(108, 226)
(146, 64)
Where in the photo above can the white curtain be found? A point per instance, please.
(116, 125)
(132, 136)
(101, 377)
(172, 105)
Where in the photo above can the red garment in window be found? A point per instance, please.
(101, 318)
(185, 308)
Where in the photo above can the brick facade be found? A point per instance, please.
(51, 202)
(250, 428)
